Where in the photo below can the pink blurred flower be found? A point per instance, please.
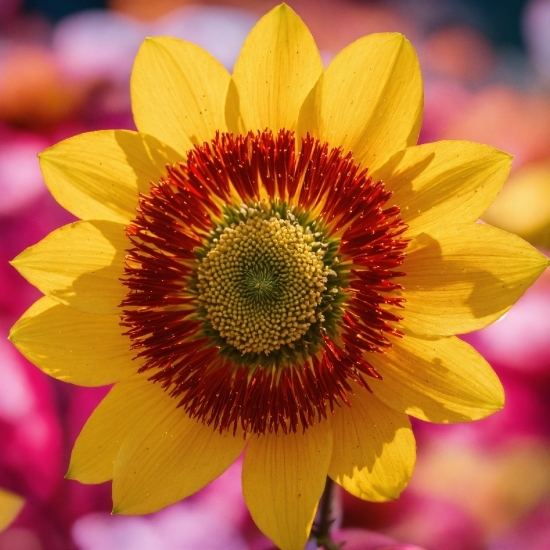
(361, 539)
(496, 486)
(438, 523)
(20, 178)
(444, 103)
(533, 532)
(520, 340)
(460, 53)
(210, 521)
(516, 122)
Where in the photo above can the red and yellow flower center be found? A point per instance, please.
(268, 282)
(260, 278)
(262, 281)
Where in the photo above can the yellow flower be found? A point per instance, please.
(289, 282)
(10, 506)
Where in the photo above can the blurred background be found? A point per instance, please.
(64, 69)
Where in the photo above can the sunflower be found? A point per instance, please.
(270, 266)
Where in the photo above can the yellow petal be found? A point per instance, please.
(369, 100)
(124, 407)
(276, 69)
(443, 380)
(167, 457)
(283, 480)
(10, 506)
(374, 450)
(98, 175)
(454, 181)
(464, 277)
(79, 265)
(88, 350)
(178, 92)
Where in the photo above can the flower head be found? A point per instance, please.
(270, 265)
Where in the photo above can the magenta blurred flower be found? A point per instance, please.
(8, 10)
(31, 451)
(30, 454)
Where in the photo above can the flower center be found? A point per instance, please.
(260, 277)
(264, 282)
(261, 283)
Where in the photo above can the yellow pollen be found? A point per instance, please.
(261, 282)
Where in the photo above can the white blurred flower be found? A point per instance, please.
(101, 45)
(98, 45)
(220, 31)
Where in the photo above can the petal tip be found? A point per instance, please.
(72, 473)
(152, 40)
(18, 263)
(494, 404)
(505, 158)
(282, 10)
(46, 154)
(500, 400)
(283, 7)
(125, 508)
(398, 37)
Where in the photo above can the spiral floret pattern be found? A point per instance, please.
(262, 281)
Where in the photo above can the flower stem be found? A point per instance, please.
(321, 530)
